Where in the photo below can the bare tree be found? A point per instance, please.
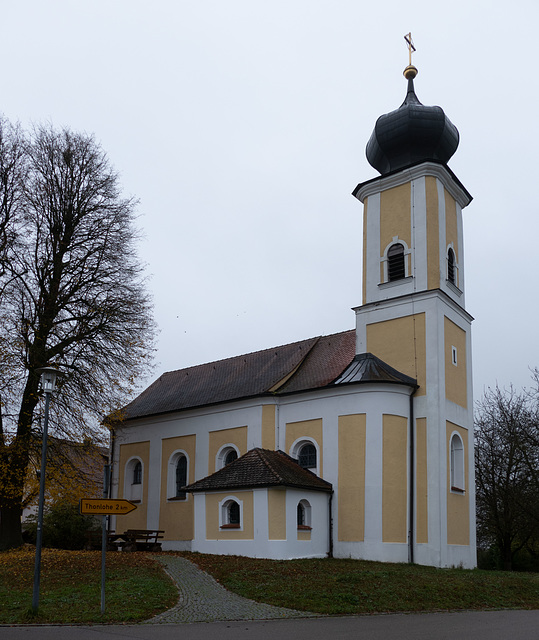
(74, 296)
(12, 170)
(506, 459)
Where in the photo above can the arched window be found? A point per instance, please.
(457, 464)
(304, 514)
(177, 475)
(137, 472)
(226, 454)
(133, 479)
(451, 266)
(395, 262)
(301, 514)
(307, 456)
(231, 514)
(181, 476)
(230, 456)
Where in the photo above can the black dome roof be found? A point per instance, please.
(412, 133)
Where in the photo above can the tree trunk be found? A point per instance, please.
(15, 459)
(10, 528)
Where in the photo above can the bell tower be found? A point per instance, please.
(413, 315)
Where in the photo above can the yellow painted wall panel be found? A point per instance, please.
(214, 532)
(268, 426)
(136, 519)
(304, 535)
(351, 483)
(236, 435)
(456, 384)
(176, 517)
(458, 504)
(422, 529)
(395, 215)
(394, 479)
(402, 344)
(451, 228)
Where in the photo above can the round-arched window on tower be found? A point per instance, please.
(451, 266)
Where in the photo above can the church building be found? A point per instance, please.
(357, 444)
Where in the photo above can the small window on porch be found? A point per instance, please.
(304, 515)
(230, 515)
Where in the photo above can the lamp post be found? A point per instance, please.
(49, 376)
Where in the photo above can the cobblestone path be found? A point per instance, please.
(202, 599)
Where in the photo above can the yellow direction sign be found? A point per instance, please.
(105, 507)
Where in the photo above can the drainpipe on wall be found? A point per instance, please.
(330, 550)
(411, 497)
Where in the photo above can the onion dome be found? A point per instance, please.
(411, 134)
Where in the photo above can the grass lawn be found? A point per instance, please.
(136, 587)
(342, 586)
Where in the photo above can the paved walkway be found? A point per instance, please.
(202, 599)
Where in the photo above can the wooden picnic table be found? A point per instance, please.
(130, 540)
(137, 539)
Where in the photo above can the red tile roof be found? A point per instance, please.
(304, 365)
(261, 468)
(292, 368)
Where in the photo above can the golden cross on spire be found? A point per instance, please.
(410, 72)
(411, 47)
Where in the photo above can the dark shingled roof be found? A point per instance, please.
(366, 367)
(300, 366)
(412, 133)
(261, 468)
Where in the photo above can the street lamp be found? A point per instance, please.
(49, 376)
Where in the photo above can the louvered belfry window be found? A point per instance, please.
(395, 262)
(451, 266)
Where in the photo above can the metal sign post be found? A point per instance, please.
(105, 507)
(106, 477)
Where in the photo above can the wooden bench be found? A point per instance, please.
(141, 540)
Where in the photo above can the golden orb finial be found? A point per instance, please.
(410, 72)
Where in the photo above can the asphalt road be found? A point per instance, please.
(492, 625)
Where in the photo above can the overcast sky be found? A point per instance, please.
(241, 127)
